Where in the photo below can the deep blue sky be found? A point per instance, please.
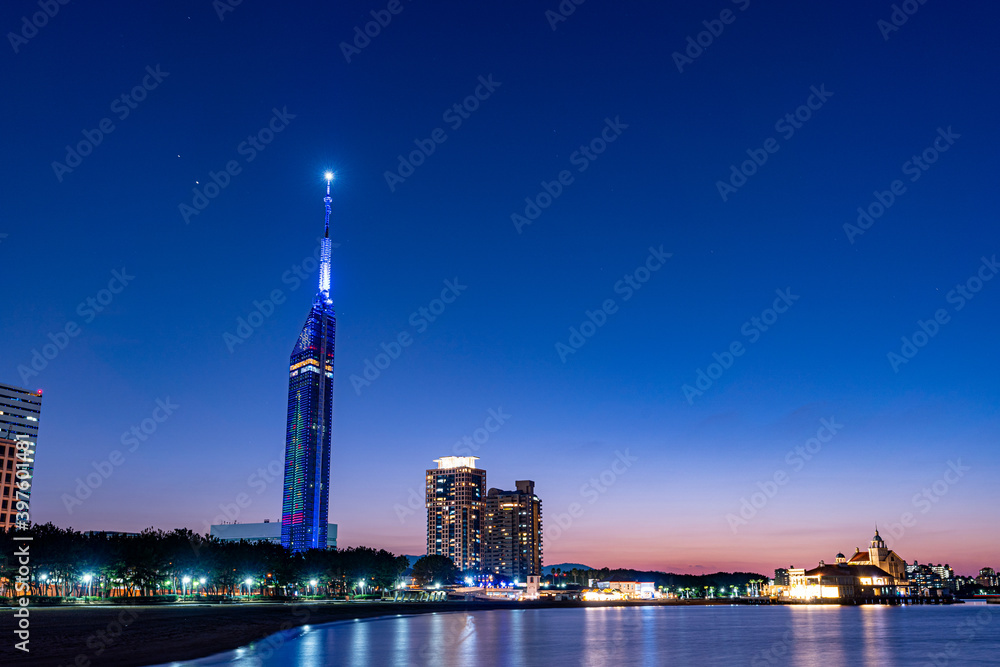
(495, 347)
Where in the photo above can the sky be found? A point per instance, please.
(721, 269)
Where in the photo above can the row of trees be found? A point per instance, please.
(66, 562)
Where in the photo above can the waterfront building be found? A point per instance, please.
(923, 579)
(306, 497)
(20, 410)
(622, 590)
(454, 495)
(881, 557)
(878, 572)
(513, 532)
(262, 532)
(781, 577)
(841, 580)
(988, 578)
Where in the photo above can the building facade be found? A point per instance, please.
(306, 497)
(843, 581)
(262, 532)
(8, 483)
(881, 557)
(20, 410)
(455, 492)
(513, 532)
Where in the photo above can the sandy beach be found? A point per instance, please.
(137, 636)
(148, 635)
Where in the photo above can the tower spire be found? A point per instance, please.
(324, 256)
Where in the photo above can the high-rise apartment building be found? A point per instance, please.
(306, 497)
(20, 410)
(513, 532)
(454, 494)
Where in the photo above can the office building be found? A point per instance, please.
(306, 497)
(8, 480)
(513, 532)
(20, 410)
(455, 491)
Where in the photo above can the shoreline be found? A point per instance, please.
(138, 636)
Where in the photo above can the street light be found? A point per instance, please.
(361, 585)
(184, 581)
(249, 583)
(87, 578)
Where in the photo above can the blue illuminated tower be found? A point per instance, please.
(306, 498)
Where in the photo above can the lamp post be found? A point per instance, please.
(184, 582)
(249, 583)
(313, 583)
(87, 579)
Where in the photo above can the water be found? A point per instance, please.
(813, 636)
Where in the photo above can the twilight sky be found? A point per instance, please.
(630, 157)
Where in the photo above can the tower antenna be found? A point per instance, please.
(324, 254)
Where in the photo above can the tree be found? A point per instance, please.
(435, 570)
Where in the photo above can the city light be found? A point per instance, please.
(328, 175)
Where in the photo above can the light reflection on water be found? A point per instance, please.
(813, 636)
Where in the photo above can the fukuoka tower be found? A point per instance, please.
(306, 498)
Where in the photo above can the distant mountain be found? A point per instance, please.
(565, 567)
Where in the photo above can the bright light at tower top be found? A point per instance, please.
(328, 175)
